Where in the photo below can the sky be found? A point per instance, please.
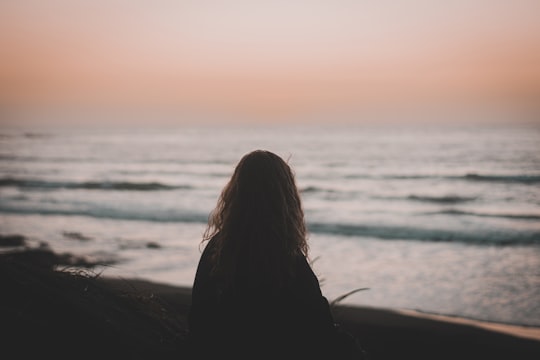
(269, 59)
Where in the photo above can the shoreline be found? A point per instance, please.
(184, 292)
(525, 331)
(384, 332)
(74, 314)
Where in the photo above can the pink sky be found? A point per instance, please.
(268, 58)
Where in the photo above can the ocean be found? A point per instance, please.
(436, 218)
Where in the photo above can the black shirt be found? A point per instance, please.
(246, 321)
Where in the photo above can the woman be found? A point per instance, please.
(254, 294)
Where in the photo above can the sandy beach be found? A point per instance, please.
(393, 334)
(73, 314)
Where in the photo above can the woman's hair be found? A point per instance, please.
(259, 215)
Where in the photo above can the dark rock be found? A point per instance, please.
(12, 240)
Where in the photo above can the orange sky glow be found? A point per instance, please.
(268, 58)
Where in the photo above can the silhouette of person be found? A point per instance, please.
(255, 294)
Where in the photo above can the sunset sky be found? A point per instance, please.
(268, 58)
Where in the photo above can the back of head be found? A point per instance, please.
(259, 221)
(264, 192)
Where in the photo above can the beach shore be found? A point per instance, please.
(393, 334)
(64, 314)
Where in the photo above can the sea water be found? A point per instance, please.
(437, 218)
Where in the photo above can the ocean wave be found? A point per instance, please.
(389, 232)
(28, 135)
(88, 185)
(518, 178)
(523, 179)
(391, 177)
(110, 213)
(445, 199)
(10, 157)
(41, 159)
(316, 189)
(493, 236)
(479, 214)
(170, 172)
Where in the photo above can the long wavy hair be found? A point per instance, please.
(258, 221)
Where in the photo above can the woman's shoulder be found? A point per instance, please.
(209, 248)
(303, 265)
(304, 275)
(206, 260)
